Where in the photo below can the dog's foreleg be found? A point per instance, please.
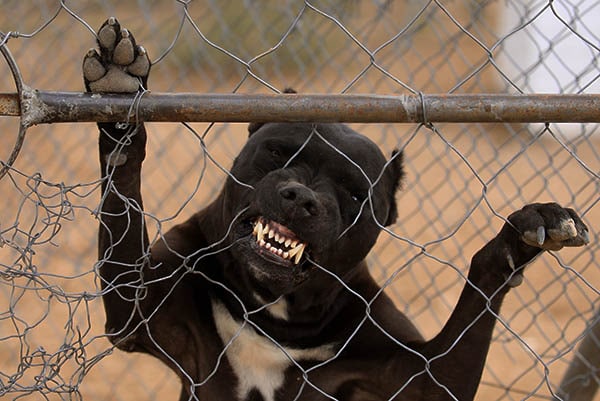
(457, 355)
(119, 65)
(123, 239)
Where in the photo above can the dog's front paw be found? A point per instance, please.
(529, 231)
(549, 226)
(120, 66)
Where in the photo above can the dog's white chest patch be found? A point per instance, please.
(258, 362)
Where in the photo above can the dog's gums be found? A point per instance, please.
(278, 239)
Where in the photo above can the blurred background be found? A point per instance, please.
(462, 179)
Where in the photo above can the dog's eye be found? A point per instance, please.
(275, 153)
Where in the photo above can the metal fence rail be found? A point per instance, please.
(57, 107)
(495, 104)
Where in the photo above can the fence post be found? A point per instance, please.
(580, 381)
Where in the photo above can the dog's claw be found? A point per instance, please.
(535, 238)
(585, 236)
(541, 235)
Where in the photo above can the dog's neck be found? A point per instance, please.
(311, 316)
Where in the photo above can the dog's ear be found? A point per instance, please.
(253, 127)
(396, 169)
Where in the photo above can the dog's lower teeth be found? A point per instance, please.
(297, 252)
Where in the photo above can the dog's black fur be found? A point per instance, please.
(324, 185)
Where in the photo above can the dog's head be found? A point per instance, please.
(313, 195)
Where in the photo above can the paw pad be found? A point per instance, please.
(120, 66)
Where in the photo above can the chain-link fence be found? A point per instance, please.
(462, 179)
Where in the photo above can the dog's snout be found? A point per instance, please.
(298, 198)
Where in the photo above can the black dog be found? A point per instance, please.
(263, 294)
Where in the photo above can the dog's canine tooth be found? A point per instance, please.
(261, 242)
(299, 254)
(294, 251)
(258, 231)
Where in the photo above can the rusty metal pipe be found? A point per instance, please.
(39, 107)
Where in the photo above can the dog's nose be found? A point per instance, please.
(297, 198)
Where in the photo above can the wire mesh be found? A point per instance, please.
(461, 178)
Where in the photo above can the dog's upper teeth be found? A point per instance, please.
(271, 233)
(288, 242)
(258, 231)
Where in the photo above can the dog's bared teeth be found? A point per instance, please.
(293, 248)
(258, 231)
(297, 252)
